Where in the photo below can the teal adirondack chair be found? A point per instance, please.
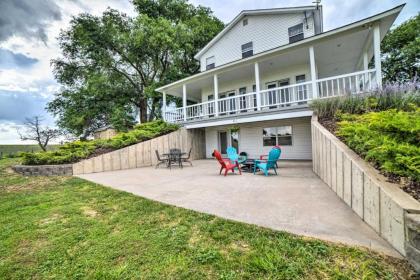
(233, 155)
(270, 163)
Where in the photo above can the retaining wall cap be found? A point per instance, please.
(400, 197)
(43, 166)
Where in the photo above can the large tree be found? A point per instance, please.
(113, 62)
(401, 52)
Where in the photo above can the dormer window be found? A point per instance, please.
(245, 22)
(296, 33)
(247, 50)
(210, 62)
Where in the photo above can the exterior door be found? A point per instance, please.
(211, 106)
(242, 100)
(302, 93)
(232, 103)
(222, 105)
(223, 141)
(284, 93)
(272, 95)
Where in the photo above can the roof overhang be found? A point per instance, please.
(251, 119)
(253, 13)
(385, 20)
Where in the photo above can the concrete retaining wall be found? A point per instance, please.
(380, 204)
(44, 170)
(143, 154)
(412, 240)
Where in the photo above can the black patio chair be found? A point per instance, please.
(187, 157)
(161, 160)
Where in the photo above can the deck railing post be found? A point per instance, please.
(216, 95)
(184, 101)
(377, 54)
(313, 72)
(164, 106)
(257, 85)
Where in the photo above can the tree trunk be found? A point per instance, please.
(143, 110)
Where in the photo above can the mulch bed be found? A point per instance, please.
(409, 186)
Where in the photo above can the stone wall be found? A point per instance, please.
(143, 154)
(380, 204)
(44, 170)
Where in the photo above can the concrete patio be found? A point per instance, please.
(295, 201)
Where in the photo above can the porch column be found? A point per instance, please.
(216, 94)
(164, 106)
(257, 85)
(365, 61)
(377, 54)
(313, 72)
(184, 101)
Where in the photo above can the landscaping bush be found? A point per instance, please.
(405, 97)
(390, 139)
(75, 151)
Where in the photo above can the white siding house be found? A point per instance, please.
(257, 90)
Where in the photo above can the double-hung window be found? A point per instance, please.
(247, 50)
(281, 135)
(296, 33)
(210, 62)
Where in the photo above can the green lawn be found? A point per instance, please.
(68, 228)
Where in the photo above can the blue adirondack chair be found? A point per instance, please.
(270, 163)
(233, 155)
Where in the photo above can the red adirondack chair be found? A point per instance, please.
(226, 164)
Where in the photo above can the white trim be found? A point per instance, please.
(269, 117)
(216, 94)
(257, 85)
(164, 106)
(377, 53)
(313, 72)
(184, 100)
(362, 23)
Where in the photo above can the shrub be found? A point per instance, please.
(405, 97)
(77, 150)
(390, 139)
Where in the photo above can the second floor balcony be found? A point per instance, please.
(275, 98)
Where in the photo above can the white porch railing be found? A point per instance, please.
(352, 83)
(285, 96)
(175, 116)
(275, 98)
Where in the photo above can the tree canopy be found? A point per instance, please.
(112, 64)
(401, 51)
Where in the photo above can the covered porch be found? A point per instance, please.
(330, 64)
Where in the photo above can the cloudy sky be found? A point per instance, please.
(29, 28)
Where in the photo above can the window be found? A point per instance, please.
(296, 33)
(245, 22)
(210, 62)
(247, 50)
(281, 135)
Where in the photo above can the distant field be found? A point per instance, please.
(13, 149)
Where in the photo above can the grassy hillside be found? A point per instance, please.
(6, 150)
(78, 150)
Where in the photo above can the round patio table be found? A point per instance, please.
(248, 165)
(173, 158)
